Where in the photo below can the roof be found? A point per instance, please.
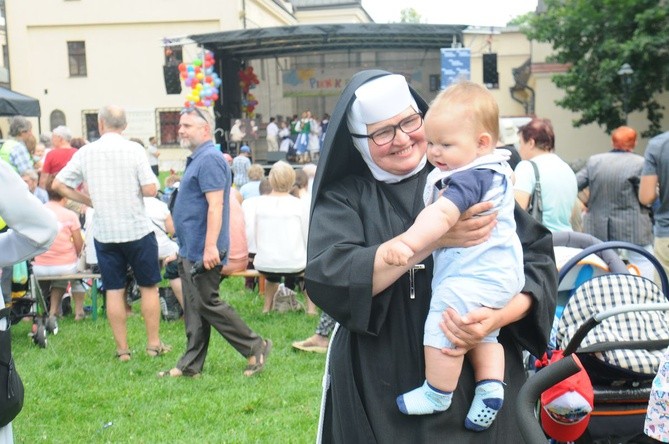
(292, 40)
(14, 104)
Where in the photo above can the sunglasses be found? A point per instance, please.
(196, 110)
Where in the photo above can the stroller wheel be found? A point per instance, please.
(40, 334)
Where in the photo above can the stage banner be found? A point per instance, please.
(455, 65)
(306, 82)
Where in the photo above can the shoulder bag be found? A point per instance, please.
(536, 206)
(11, 386)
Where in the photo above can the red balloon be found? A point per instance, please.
(182, 67)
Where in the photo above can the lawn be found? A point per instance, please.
(76, 390)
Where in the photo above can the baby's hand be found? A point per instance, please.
(398, 253)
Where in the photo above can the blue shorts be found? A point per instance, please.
(141, 255)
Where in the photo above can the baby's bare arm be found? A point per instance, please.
(397, 253)
(431, 224)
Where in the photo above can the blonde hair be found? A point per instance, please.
(281, 177)
(480, 106)
(256, 172)
(171, 180)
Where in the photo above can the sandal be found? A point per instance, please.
(176, 373)
(309, 346)
(261, 359)
(123, 355)
(158, 350)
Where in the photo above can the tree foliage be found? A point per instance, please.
(409, 15)
(595, 38)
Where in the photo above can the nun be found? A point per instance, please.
(367, 190)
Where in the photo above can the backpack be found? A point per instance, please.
(11, 386)
(170, 308)
(284, 300)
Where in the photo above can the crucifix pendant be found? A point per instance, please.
(412, 283)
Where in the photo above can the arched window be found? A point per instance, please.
(57, 118)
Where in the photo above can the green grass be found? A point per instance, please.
(76, 390)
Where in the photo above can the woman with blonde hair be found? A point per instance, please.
(252, 187)
(279, 227)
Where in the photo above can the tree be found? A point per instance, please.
(595, 38)
(409, 15)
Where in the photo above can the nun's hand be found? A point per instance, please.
(466, 332)
(472, 228)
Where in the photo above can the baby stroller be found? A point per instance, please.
(28, 302)
(617, 325)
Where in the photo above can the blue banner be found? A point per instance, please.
(455, 65)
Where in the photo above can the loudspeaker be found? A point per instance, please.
(172, 80)
(490, 75)
(275, 156)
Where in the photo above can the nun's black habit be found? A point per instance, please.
(377, 353)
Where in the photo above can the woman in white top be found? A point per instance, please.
(279, 226)
(557, 179)
(163, 227)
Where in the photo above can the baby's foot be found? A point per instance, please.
(488, 399)
(424, 400)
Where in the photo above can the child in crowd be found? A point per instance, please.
(171, 184)
(462, 128)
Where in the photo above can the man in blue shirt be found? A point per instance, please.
(201, 219)
(655, 185)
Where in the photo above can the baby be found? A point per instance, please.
(462, 128)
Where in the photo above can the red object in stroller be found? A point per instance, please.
(617, 325)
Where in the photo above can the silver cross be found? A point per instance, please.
(412, 285)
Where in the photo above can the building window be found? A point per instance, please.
(91, 126)
(76, 52)
(168, 122)
(57, 118)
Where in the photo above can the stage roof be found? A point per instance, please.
(293, 40)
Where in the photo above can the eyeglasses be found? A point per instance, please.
(197, 111)
(387, 134)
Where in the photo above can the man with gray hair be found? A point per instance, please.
(14, 150)
(118, 174)
(59, 156)
(202, 221)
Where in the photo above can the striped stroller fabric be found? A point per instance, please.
(607, 292)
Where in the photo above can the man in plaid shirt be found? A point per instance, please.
(117, 174)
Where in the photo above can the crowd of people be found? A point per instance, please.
(299, 137)
(421, 192)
